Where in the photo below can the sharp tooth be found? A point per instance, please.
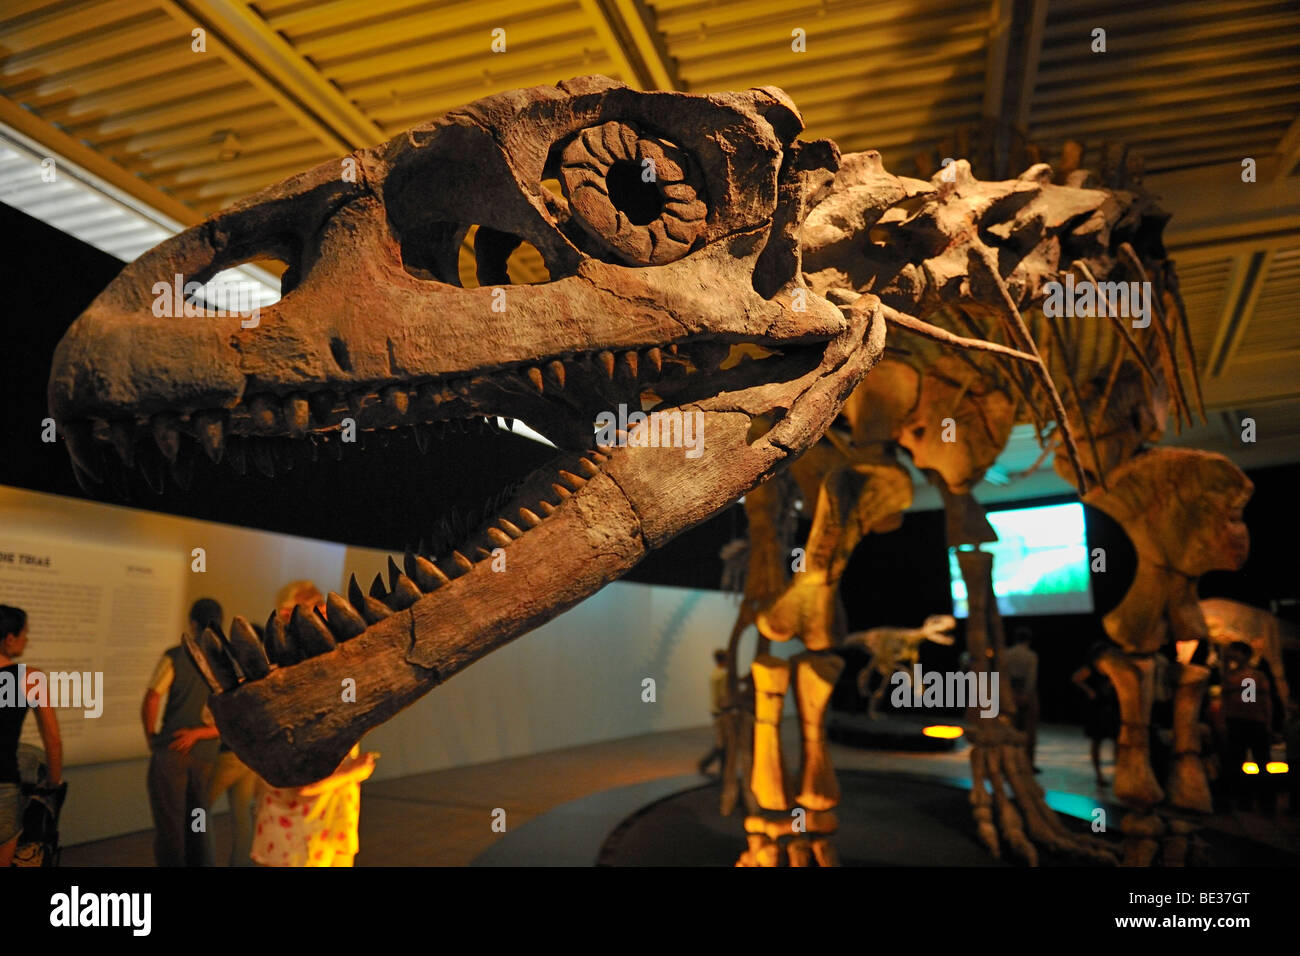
(279, 648)
(562, 491)
(529, 518)
(297, 415)
(394, 572)
(556, 370)
(371, 610)
(672, 349)
(534, 376)
(85, 480)
(606, 359)
(397, 399)
(211, 432)
(260, 451)
(547, 508)
(309, 632)
(588, 468)
(81, 447)
(511, 528)
(482, 553)
(219, 664)
(237, 454)
(122, 435)
(404, 594)
(166, 435)
(462, 562)
(656, 359)
(599, 456)
(344, 622)
(572, 480)
(377, 589)
(182, 471)
(266, 418)
(630, 362)
(322, 406)
(247, 649)
(421, 438)
(498, 537)
(152, 467)
(424, 573)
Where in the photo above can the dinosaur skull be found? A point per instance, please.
(672, 248)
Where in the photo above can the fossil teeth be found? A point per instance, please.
(534, 376)
(237, 454)
(498, 537)
(426, 575)
(81, 446)
(588, 468)
(462, 562)
(165, 434)
(377, 589)
(122, 435)
(404, 594)
(529, 518)
(656, 359)
(572, 480)
(247, 649)
(212, 661)
(297, 415)
(672, 349)
(562, 491)
(556, 370)
(322, 405)
(259, 449)
(548, 509)
(370, 609)
(394, 572)
(211, 433)
(421, 438)
(630, 363)
(182, 471)
(606, 359)
(279, 649)
(396, 399)
(343, 620)
(482, 553)
(309, 632)
(511, 528)
(265, 416)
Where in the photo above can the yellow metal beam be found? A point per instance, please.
(252, 48)
(60, 144)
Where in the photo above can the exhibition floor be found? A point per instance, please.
(444, 817)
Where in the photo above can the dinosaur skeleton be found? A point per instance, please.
(976, 259)
(896, 649)
(375, 328)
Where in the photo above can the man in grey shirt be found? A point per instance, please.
(184, 749)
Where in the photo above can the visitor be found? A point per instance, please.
(315, 825)
(1247, 716)
(1020, 664)
(717, 704)
(183, 749)
(13, 641)
(1102, 719)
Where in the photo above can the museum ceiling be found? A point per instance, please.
(116, 88)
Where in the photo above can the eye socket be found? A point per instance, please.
(637, 196)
